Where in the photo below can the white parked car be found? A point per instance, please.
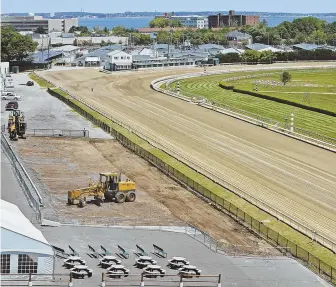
(189, 271)
(72, 261)
(10, 96)
(117, 271)
(108, 261)
(153, 271)
(80, 271)
(144, 261)
(177, 262)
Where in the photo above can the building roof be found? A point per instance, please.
(45, 56)
(92, 59)
(210, 46)
(238, 35)
(13, 220)
(232, 50)
(66, 48)
(305, 46)
(166, 29)
(257, 46)
(115, 52)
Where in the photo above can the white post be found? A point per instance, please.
(30, 283)
(70, 284)
(178, 87)
(292, 123)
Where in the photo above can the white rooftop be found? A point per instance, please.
(13, 220)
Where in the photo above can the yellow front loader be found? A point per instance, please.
(110, 187)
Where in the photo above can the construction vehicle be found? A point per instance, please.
(16, 125)
(110, 187)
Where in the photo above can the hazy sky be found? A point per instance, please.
(112, 6)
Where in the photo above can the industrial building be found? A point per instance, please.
(232, 20)
(32, 22)
(24, 249)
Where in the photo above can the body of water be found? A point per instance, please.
(140, 22)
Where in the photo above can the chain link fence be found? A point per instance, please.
(58, 133)
(28, 187)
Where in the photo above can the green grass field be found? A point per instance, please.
(302, 80)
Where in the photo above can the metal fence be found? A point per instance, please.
(28, 187)
(59, 280)
(58, 133)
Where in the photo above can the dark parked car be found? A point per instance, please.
(30, 83)
(12, 106)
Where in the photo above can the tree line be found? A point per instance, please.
(251, 56)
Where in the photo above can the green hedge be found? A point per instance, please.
(275, 99)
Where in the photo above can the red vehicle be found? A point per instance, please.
(12, 106)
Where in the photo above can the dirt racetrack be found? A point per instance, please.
(296, 178)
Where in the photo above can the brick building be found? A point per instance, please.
(232, 20)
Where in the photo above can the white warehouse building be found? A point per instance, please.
(193, 21)
(24, 249)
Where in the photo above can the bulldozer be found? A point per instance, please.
(110, 187)
(16, 125)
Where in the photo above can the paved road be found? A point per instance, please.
(238, 272)
(294, 177)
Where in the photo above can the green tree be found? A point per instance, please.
(40, 30)
(267, 57)
(175, 23)
(251, 56)
(159, 23)
(15, 46)
(106, 30)
(285, 77)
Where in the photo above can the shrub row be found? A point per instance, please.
(275, 99)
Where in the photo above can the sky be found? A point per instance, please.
(114, 6)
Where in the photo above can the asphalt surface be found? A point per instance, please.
(43, 111)
(240, 271)
(296, 178)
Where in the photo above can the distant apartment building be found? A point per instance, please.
(192, 21)
(189, 21)
(32, 22)
(232, 20)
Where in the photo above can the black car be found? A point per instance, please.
(30, 83)
(12, 106)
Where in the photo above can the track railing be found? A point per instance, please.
(29, 188)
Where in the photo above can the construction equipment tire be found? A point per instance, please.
(81, 203)
(120, 197)
(130, 197)
(70, 201)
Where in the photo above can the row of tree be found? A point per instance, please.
(301, 30)
(251, 56)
